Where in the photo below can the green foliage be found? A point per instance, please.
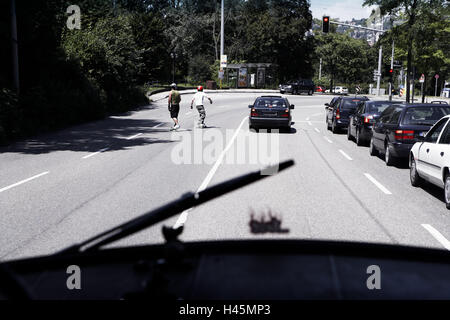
(345, 59)
(199, 69)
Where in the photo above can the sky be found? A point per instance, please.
(342, 9)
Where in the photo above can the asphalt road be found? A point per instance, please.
(64, 187)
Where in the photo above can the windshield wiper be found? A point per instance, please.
(187, 201)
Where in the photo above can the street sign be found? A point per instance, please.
(223, 61)
(221, 74)
(436, 76)
(422, 78)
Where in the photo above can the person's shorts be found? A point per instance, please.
(174, 110)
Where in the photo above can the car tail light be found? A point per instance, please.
(338, 114)
(286, 113)
(254, 113)
(404, 134)
(369, 119)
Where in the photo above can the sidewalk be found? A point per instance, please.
(164, 95)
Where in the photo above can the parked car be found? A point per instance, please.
(361, 122)
(320, 89)
(341, 90)
(339, 111)
(288, 87)
(429, 159)
(298, 86)
(270, 112)
(400, 126)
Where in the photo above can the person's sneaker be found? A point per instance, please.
(176, 127)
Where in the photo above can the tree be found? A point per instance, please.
(412, 10)
(344, 58)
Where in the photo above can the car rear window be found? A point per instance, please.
(350, 104)
(424, 115)
(379, 107)
(271, 103)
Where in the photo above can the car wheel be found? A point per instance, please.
(358, 139)
(334, 129)
(328, 124)
(372, 150)
(416, 180)
(447, 191)
(310, 93)
(388, 158)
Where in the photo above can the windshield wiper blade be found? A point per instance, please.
(187, 201)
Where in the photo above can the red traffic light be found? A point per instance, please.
(325, 19)
(391, 70)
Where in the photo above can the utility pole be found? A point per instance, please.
(380, 56)
(222, 29)
(15, 48)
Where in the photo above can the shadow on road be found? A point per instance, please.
(110, 133)
(434, 191)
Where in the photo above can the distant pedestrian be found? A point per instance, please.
(174, 105)
(198, 100)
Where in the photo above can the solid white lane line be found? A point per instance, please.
(379, 185)
(95, 153)
(307, 119)
(345, 155)
(183, 216)
(135, 136)
(317, 130)
(24, 181)
(437, 235)
(310, 123)
(158, 125)
(316, 114)
(326, 138)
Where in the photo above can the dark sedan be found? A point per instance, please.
(270, 112)
(399, 127)
(361, 122)
(338, 113)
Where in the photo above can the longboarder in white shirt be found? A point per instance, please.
(198, 100)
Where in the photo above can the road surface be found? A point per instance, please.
(64, 187)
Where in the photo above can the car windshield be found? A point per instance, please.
(378, 107)
(270, 102)
(350, 104)
(424, 115)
